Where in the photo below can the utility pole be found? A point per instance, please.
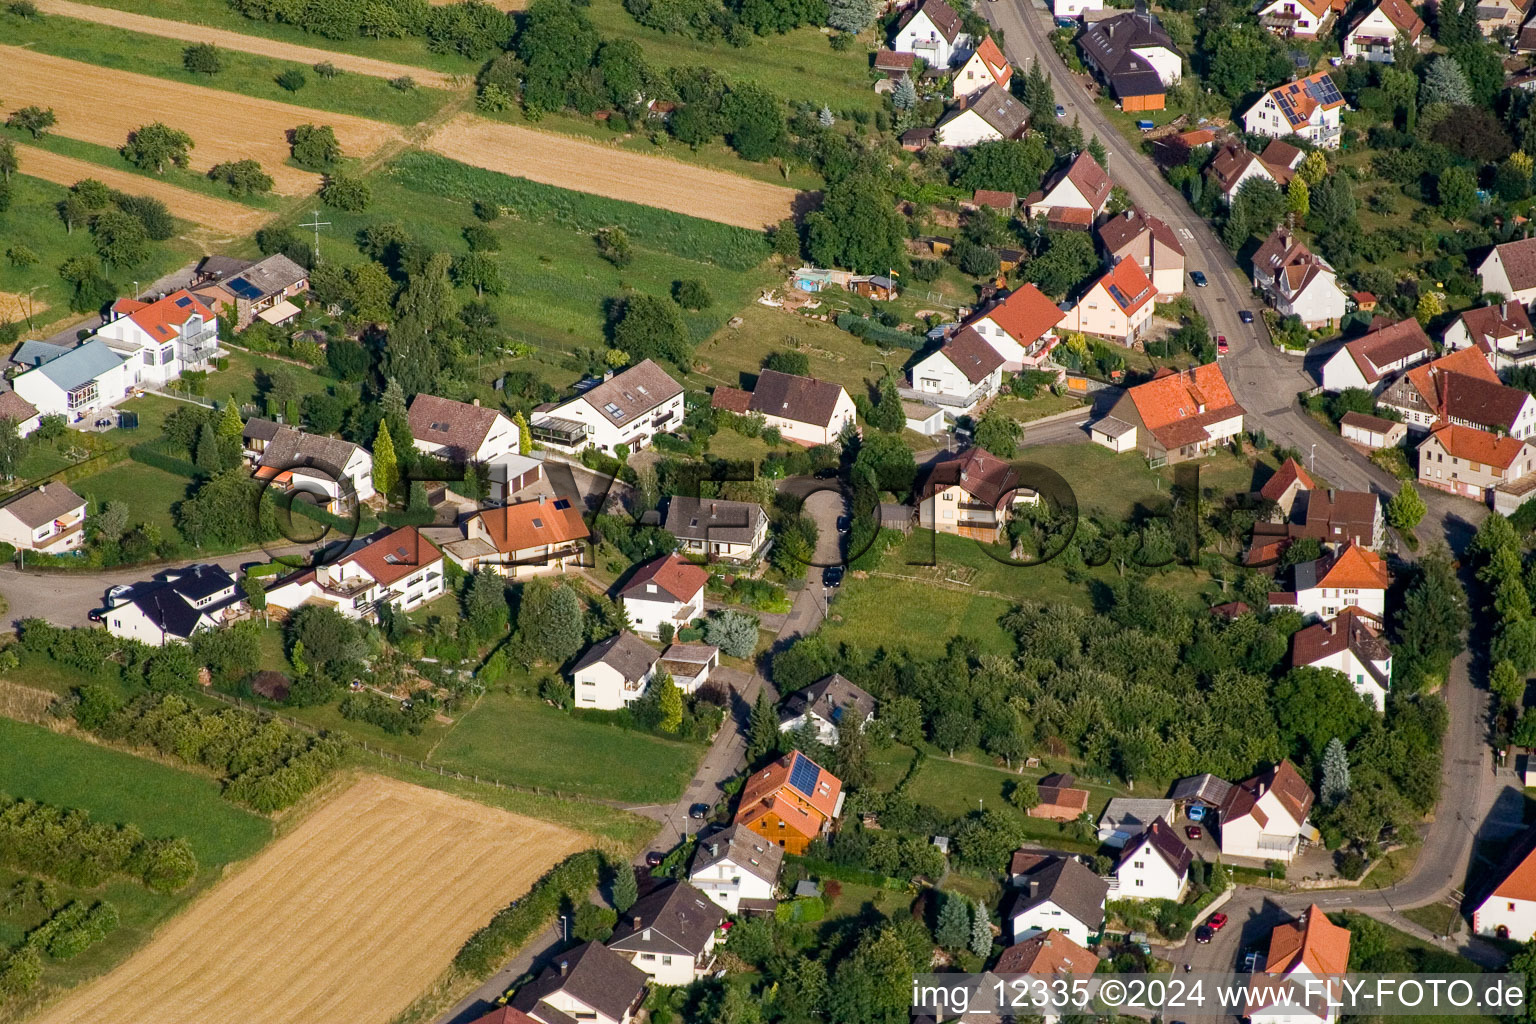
(317, 224)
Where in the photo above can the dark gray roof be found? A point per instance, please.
(1206, 788)
(742, 847)
(1169, 846)
(803, 399)
(257, 429)
(832, 699)
(632, 393)
(1111, 46)
(729, 522)
(219, 267)
(1068, 884)
(594, 974)
(290, 449)
(168, 602)
(272, 275)
(624, 651)
(42, 505)
(674, 920)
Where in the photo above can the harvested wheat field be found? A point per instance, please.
(349, 917)
(246, 44)
(601, 170)
(14, 308)
(221, 214)
(102, 106)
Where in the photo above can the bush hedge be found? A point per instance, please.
(877, 333)
(67, 845)
(569, 881)
(148, 455)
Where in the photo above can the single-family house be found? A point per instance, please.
(1050, 956)
(259, 290)
(1508, 911)
(972, 494)
(401, 568)
(1057, 894)
(895, 66)
(985, 68)
(1288, 483)
(1265, 817)
(1502, 333)
(627, 410)
(1200, 796)
(1460, 389)
(670, 934)
(1332, 517)
(1298, 282)
(961, 374)
(988, 116)
(545, 534)
(791, 802)
(1234, 164)
(666, 589)
(174, 606)
(1375, 33)
(1368, 360)
(1354, 643)
(1372, 432)
(716, 529)
(738, 869)
(1313, 953)
(932, 31)
(338, 473)
(1140, 238)
(614, 672)
(49, 518)
(160, 339)
(1060, 799)
(1075, 196)
(1117, 306)
(1472, 463)
(1353, 576)
(461, 432)
(689, 665)
(1303, 19)
(1132, 55)
(1125, 818)
(506, 1015)
(20, 412)
(1153, 865)
(803, 409)
(1021, 327)
(1506, 15)
(79, 384)
(1510, 270)
(590, 983)
(827, 705)
(1175, 416)
(1309, 107)
(1074, 9)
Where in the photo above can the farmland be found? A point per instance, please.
(384, 874)
(102, 106)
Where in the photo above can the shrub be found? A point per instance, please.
(67, 845)
(567, 882)
(405, 83)
(293, 80)
(692, 294)
(342, 192)
(325, 69)
(202, 59)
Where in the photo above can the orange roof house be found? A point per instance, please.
(1021, 328)
(523, 538)
(1352, 576)
(986, 67)
(791, 802)
(1117, 306)
(1509, 909)
(1289, 480)
(1049, 955)
(1309, 947)
(1175, 415)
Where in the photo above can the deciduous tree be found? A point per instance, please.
(153, 146)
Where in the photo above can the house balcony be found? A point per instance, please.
(66, 535)
(561, 433)
(944, 400)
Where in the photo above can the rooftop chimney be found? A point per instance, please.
(634, 922)
(543, 498)
(475, 403)
(714, 849)
(565, 966)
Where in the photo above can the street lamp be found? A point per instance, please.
(1314, 456)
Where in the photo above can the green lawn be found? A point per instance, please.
(523, 740)
(958, 789)
(1043, 404)
(735, 353)
(148, 492)
(104, 46)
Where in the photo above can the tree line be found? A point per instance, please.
(67, 845)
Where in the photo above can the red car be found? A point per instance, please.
(1221, 344)
(1193, 831)
(1217, 922)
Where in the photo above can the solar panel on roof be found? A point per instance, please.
(244, 289)
(562, 503)
(804, 775)
(183, 302)
(1327, 92)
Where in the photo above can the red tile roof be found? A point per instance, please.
(1284, 780)
(678, 579)
(395, 555)
(1469, 361)
(1352, 629)
(1353, 567)
(976, 471)
(770, 791)
(731, 400)
(162, 320)
(1479, 445)
(1490, 323)
(993, 199)
(1128, 286)
(532, 524)
(1026, 314)
(1176, 407)
(1387, 345)
(996, 63)
(1288, 473)
(1119, 231)
(1091, 181)
(1313, 941)
(1049, 954)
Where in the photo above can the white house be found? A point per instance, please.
(1304, 951)
(544, 534)
(1234, 164)
(670, 934)
(931, 31)
(802, 409)
(1472, 463)
(627, 410)
(614, 672)
(1296, 281)
(1510, 270)
(590, 983)
(1309, 107)
(49, 518)
(173, 607)
(716, 529)
(1175, 416)
(1509, 910)
(1368, 360)
(79, 384)
(461, 432)
(1075, 8)
(972, 494)
(738, 869)
(1117, 306)
(1021, 328)
(665, 590)
(1352, 576)
(338, 472)
(1354, 643)
(20, 412)
(1502, 333)
(1303, 19)
(1149, 243)
(1127, 817)
(985, 68)
(1132, 55)
(1076, 196)
(827, 704)
(1153, 865)
(402, 569)
(1265, 817)
(161, 339)
(985, 116)
(1376, 32)
(1060, 894)
(963, 373)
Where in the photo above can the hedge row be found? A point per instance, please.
(149, 455)
(877, 333)
(843, 873)
(74, 929)
(572, 879)
(67, 845)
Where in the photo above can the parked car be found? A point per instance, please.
(832, 576)
(1245, 315)
(1199, 278)
(1217, 922)
(698, 812)
(1061, 111)
(843, 524)
(1203, 934)
(121, 590)
(95, 614)
(1194, 831)
(653, 859)
(1221, 344)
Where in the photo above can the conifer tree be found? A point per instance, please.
(386, 470)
